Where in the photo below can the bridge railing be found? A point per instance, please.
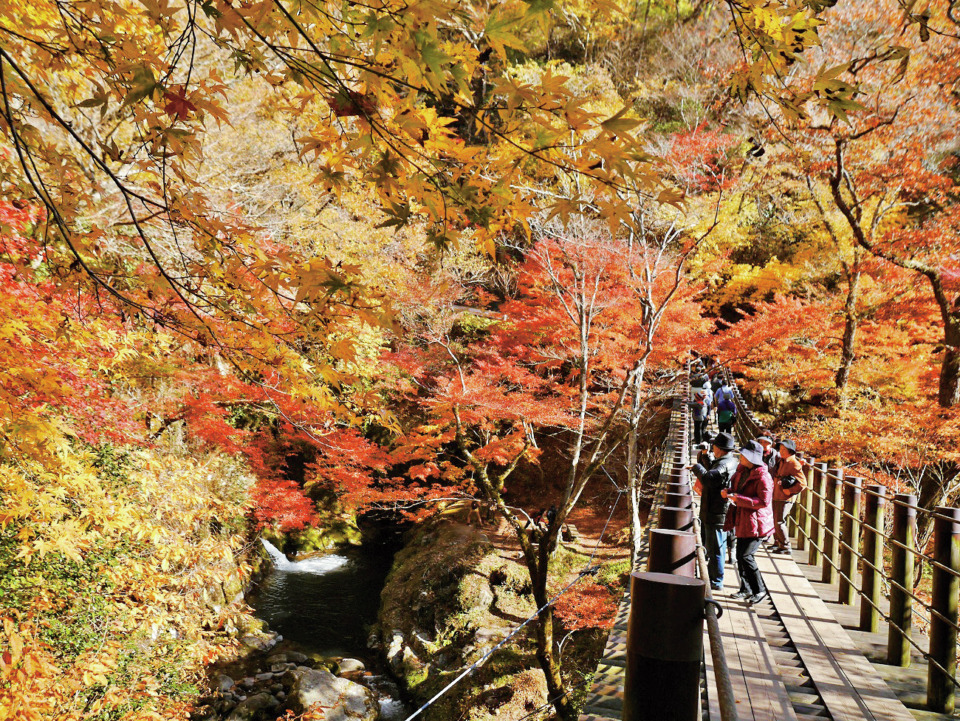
(724, 690)
(842, 524)
(669, 604)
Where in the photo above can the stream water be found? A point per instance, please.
(326, 604)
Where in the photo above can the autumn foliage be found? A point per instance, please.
(393, 254)
(589, 605)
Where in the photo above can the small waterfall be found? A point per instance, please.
(318, 564)
(280, 562)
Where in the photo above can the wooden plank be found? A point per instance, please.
(757, 682)
(713, 703)
(849, 685)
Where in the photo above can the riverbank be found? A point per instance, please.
(456, 591)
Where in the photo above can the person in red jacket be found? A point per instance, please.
(788, 483)
(751, 517)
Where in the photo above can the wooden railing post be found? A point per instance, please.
(849, 542)
(874, 502)
(904, 532)
(941, 692)
(816, 521)
(803, 512)
(831, 524)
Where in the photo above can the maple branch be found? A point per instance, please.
(35, 178)
(858, 233)
(446, 347)
(490, 489)
(502, 477)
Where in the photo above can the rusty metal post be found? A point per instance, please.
(874, 501)
(831, 524)
(941, 692)
(678, 500)
(664, 648)
(816, 521)
(672, 552)
(676, 519)
(849, 541)
(901, 572)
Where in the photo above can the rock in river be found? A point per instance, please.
(351, 666)
(248, 709)
(341, 699)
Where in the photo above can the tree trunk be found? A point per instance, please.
(849, 332)
(634, 486)
(932, 491)
(949, 394)
(634, 479)
(549, 663)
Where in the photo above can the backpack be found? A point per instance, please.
(727, 404)
(725, 393)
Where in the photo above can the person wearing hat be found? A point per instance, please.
(788, 482)
(770, 455)
(751, 516)
(713, 506)
(701, 412)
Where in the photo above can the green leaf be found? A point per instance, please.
(397, 215)
(618, 123)
(500, 33)
(432, 56)
(141, 86)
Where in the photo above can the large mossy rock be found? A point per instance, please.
(450, 597)
(340, 699)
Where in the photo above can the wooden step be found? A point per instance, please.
(850, 687)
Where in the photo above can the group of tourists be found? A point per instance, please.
(747, 491)
(711, 396)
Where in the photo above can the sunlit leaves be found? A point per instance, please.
(587, 605)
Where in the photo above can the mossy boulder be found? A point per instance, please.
(332, 532)
(450, 597)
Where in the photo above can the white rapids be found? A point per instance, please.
(318, 564)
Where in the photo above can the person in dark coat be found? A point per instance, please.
(751, 516)
(704, 453)
(713, 507)
(700, 404)
(770, 455)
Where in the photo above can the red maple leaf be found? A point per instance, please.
(177, 104)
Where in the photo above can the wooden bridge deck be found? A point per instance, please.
(797, 656)
(907, 684)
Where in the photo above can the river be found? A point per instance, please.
(327, 604)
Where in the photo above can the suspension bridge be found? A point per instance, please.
(846, 633)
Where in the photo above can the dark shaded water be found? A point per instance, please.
(326, 605)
